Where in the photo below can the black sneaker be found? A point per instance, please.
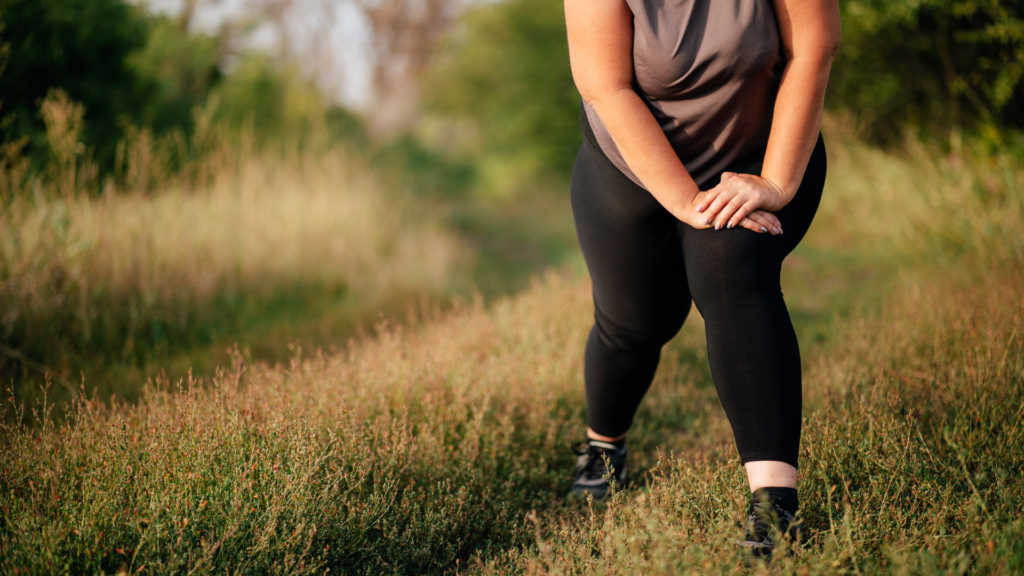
(770, 518)
(591, 469)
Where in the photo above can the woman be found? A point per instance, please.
(701, 169)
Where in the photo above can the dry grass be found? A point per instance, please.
(409, 452)
(918, 203)
(440, 446)
(912, 459)
(310, 220)
(420, 450)
(111, 278)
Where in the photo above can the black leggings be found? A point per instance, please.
(646, 266)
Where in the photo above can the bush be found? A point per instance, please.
(934, 66)
(80, 47)
(180, 68)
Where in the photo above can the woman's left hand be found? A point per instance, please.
(738, 195)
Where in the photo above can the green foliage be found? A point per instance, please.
(935, 66)
(271, 100)
(345, 126)
(507, 69)
(181, 67)
(81, 47)
(145, 76)
(422, 170)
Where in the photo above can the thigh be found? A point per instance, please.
(796, 217)
(632, 249)
(725, 268)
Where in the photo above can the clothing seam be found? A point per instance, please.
(768, 456)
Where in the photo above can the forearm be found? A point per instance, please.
(645, 148)
(796, 122)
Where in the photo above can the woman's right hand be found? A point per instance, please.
(760, 221)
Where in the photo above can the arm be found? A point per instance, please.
(809, 30)
(601, 55)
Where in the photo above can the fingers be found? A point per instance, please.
(771, 218)
(765, 221)
(715, 201)
(761, 221)
(742, 211)
(721, 196)
(729, 211)
(734, 200)
(709, 197)
(750, 224)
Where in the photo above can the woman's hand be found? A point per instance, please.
(759, 221)
(736, 198)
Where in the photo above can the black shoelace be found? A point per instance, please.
(594, 467)
(767, 514)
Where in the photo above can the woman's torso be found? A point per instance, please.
(709, 72)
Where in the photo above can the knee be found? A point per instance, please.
(733, 273)
(637, 339)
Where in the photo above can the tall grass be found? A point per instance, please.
(911, 461)
(128, 274)
(404, 454)
(918, 202)
(441, 445)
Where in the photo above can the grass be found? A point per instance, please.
(441, 444)
(911, 459)
(240, 245)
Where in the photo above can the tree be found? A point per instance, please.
(80, 47)
(180, 68)
(937, 66)
(507, 70)
(403, 36)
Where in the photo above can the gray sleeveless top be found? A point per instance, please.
(709, 71)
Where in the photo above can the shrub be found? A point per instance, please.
(80, 47)
(935, 66)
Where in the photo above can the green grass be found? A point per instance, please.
(440, 444)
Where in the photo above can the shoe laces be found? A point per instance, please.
(591, 459)
(763, 516)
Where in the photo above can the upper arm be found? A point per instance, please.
(600, 45)
(809, 28)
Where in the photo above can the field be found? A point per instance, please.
(166, 270)
(439, 444)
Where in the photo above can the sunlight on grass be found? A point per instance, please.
(127, 275)
(441, 445)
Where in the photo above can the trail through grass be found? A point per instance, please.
(110, 286)
(441, 445)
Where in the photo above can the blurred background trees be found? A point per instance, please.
(82, 47)
(505, 74)
(938, 67)
(486, 84)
